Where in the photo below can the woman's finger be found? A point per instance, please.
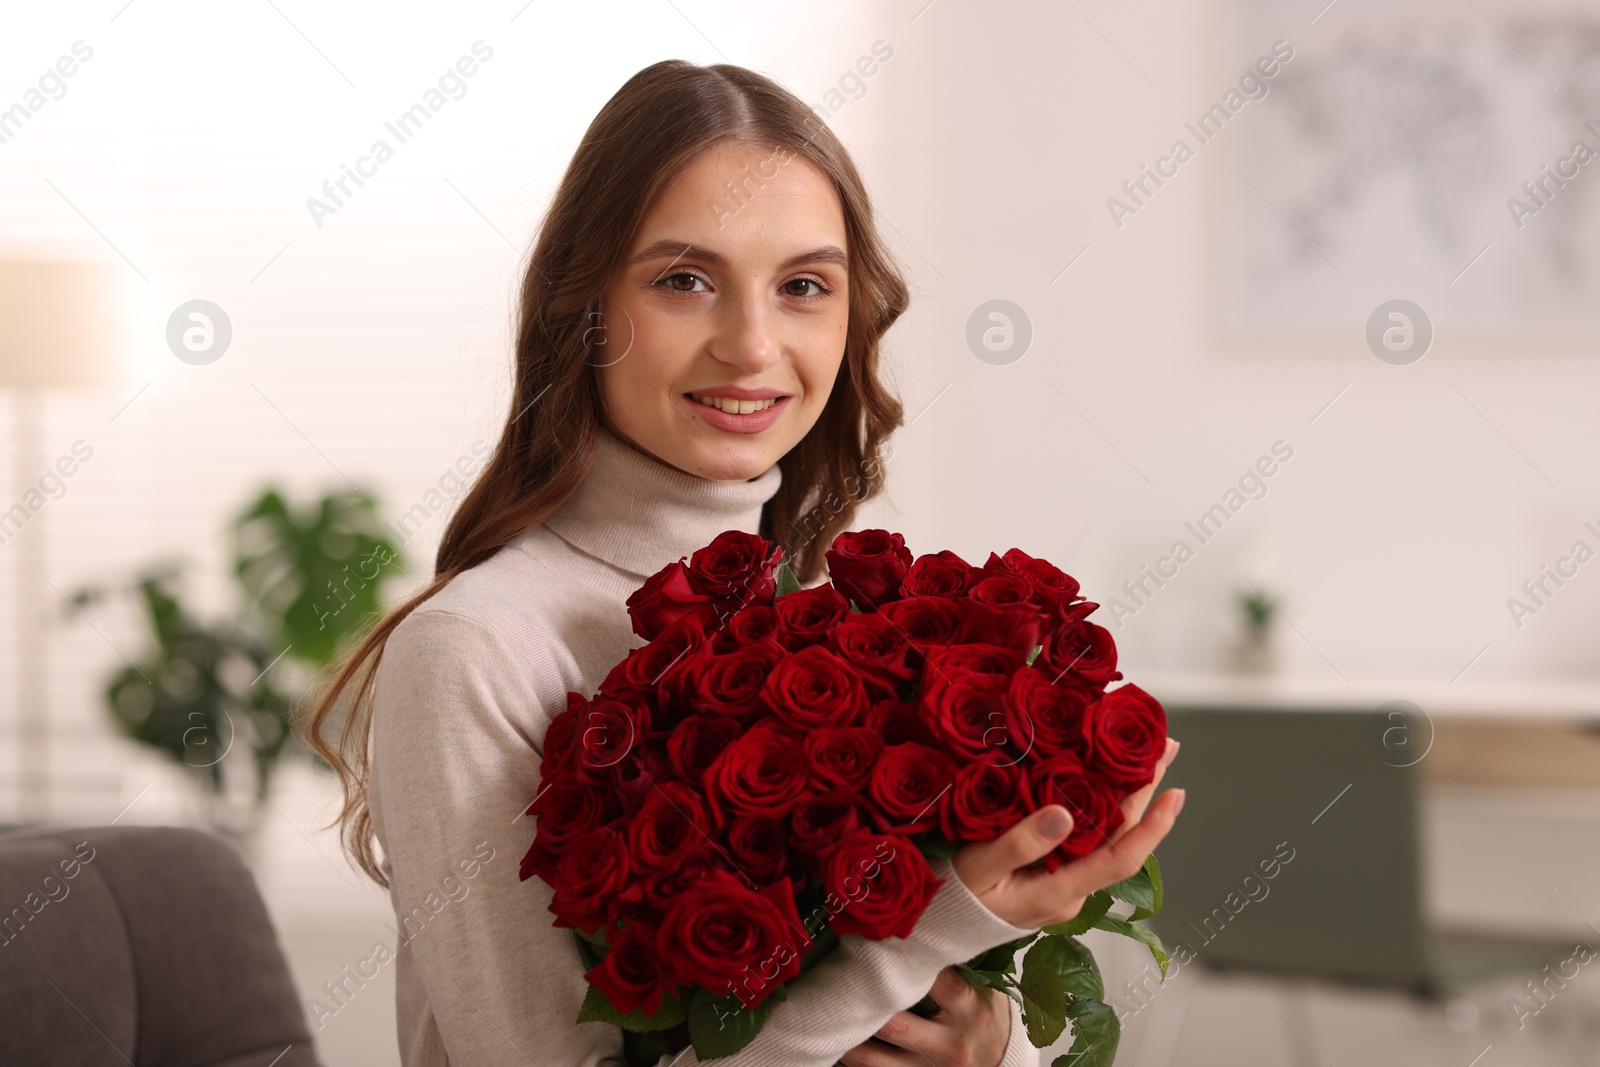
(1116, 860)
(953, 993)
(1058, 897)
(982, 864)
(1134, 804)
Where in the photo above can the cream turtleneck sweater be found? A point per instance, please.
(467, 685)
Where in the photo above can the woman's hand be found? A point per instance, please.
(971, 1029)
(995, 870)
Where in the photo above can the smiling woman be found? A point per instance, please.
(738, 323)
(679, 372)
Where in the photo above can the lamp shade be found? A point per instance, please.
(58, 325)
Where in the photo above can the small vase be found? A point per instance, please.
(1254, 653)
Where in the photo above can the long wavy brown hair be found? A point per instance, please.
(655, 125)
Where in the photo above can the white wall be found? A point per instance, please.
(1404, 521)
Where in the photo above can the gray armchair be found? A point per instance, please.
(140, 946)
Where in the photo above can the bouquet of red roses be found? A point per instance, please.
(771, 749)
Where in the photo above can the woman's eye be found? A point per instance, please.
(798, 287)
(684, 282)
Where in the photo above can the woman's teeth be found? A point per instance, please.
(732, 406)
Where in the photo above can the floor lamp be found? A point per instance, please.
(57, 331)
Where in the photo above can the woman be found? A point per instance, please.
(698, 351)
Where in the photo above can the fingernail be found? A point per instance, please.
(1055, 822)
(1183, 795)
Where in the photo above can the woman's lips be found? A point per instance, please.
(732, 422)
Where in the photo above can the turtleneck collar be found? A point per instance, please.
(637, 513)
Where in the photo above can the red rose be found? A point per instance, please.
(632, 974)
(672, 818)
(662, 887)
(965, 659)
(814, 687)
(807, 615)
(842, 756)
(593, 880)
(969, 716)
(1052, 585)
(565, 810)
(867, 566)
(762, 773)
(1084, 649)
(1127, 732)
(906, 784)
(1095, 804)
(731, 939)
(750, 625)
(636, 775)
(736, 568)
(665, 597)
(1020, 626)
(1003, 591)
(1045, 719)
(606, 732)
(879, 884)
(657, 670)
(941, 574)
(987, 800)
(731, 684)
(898, 722)
(697, 742)
(760, 848)
(821, 821)
(929, 620)
(561, 735)
(872, 644)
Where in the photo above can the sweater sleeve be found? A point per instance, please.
(485, 978)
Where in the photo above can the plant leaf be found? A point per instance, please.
(1034, 654)
(1095, 1034)
(597, 1009)
(935, 847)
(1152, 869)
(1001, 957)
(1044, 1002)
(721, 1026)
(1140, 933)
(1137, 891)
(1072, 962)
(1093, 910)
(783, 575)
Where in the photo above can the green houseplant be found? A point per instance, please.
(216, 696)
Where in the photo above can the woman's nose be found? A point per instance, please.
(748, 336)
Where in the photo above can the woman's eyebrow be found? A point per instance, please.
(680, 249)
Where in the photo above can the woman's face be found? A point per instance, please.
(725, 325)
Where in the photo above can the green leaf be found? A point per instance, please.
(1044, 1002)
(1072, 962)
(1137, 891)
(586, 951)
(1140, 933)
(721, 1026)
(983, 979)
(937, 848)
(597, 1009)
(1034, 654)
(1095, 1034)
(1152, 870)
(1001, 957)
(786, 581)
(1093, 910)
